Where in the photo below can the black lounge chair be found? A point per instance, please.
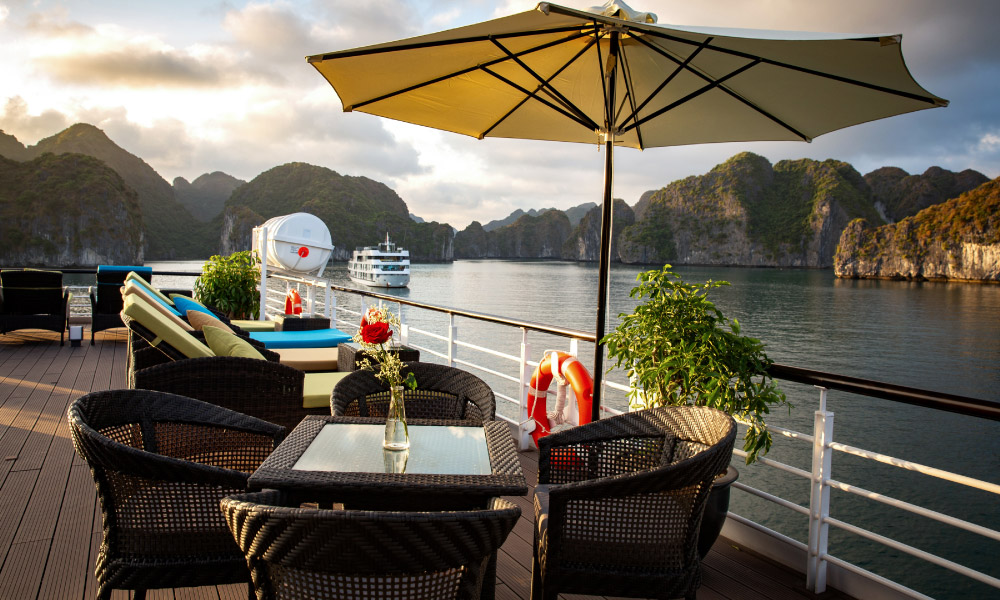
(442, 393)
(315, 554)
(106, 300)
(33, 299)
(619, 503)
(162, 463)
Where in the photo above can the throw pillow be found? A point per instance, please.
(198, 320)
(224, 343)
(185, 303)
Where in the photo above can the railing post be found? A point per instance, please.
(819, 496)
(262, 255)
(523, 419)
(452, 334)
(331, 306)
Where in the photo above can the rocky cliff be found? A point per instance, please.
(67, 210)
(898, 195)
(206, 196)
(170, 230)
(747, 213)
(357, 210)
(584, 244)
(955, 240)
(540, 236)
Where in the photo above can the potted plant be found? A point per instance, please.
(677, 348)
(229, 284)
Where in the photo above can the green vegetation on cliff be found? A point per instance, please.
(65, 210)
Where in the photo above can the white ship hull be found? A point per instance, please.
(384, 280)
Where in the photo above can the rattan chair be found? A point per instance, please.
(33, 299)
(162, 463)
(620, 500)
(265, 389)
(315, 554)
(442, 393)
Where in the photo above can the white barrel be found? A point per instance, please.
(298, 242)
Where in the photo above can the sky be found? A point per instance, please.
(192, 87)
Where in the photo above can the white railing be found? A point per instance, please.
(819, 478)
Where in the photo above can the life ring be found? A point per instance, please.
(293, 303)
(567, 369)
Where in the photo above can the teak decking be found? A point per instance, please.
(50, 524)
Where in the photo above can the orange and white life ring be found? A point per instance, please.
(565, 368)
(293, 303)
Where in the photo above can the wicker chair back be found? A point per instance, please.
(320, 554)
(32, 299)
(442, 393)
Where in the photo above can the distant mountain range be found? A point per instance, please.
(745, 211)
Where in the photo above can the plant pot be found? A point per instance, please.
(716, 510)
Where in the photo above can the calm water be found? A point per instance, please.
(936, 336)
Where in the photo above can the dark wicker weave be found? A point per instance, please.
(393, 490)
(31, 299)
(442, 393)
(315, 554)
(265, 389)
(620, 500)
(161, 464)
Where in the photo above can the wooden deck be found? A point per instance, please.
(50, 525)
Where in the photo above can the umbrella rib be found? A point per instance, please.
(685, 65)
(460, 72)
(681, 65)
(529, 94)
(545, 83)
(534, 94)
(436, 43)
(806, 70)
(714, 84)
(630, 96)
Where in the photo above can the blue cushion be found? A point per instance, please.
(314, 338)
(154, 296)
(145, 272)
(184, 304)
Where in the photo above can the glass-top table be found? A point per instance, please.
(451, 465)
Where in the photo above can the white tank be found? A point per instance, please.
(298, 242)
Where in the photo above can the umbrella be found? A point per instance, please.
(612, 76)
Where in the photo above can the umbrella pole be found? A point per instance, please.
(603, 275)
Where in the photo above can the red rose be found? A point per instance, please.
(376, 333)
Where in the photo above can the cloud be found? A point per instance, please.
(26, 127)
(135, 66)
(54, 23)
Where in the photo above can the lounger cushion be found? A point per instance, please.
(225, 343)
(310, 359)
(133, 276)
(314, 338)
(136, 307)
(317, 387)
(253, 325)
(198, 320)
(133, 288)
(184, 303)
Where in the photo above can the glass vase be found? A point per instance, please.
(397, 435)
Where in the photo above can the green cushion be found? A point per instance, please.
(135, 276)
(318, 387)
(253, 325)
(224, 343)
(163, 328)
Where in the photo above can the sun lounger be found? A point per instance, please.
(33, 299)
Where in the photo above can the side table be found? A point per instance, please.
(300, 323)
(349, 355)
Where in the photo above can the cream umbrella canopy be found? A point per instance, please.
(612, 76)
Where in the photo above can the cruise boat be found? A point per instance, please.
(385, 265)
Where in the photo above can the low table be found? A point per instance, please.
(451, 465)
(350, 355)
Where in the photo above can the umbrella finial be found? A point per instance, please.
(620, 10)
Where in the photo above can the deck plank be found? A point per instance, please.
(50, 520)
